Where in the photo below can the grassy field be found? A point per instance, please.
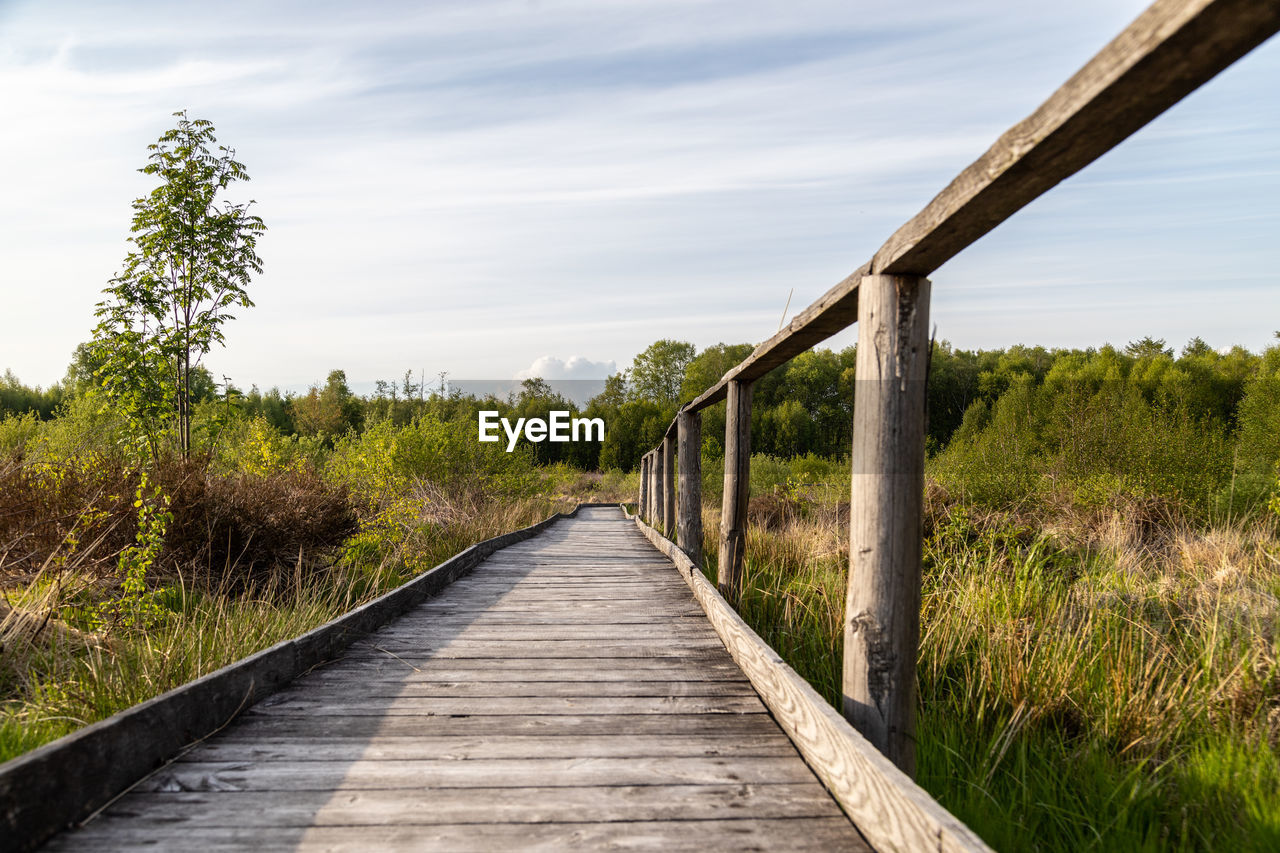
(1089, 679)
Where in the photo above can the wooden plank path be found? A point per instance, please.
(570, 692)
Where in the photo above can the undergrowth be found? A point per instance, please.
(121, 581)
(1089, 678)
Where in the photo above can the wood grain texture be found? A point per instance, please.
(818, 834)
(737, 489)
(890, 810)
(185, 810)
(585, 703)
(367, 728)
(462, 715)
(314, 774)
(655, 486)
(340, 689)
(808, 834)
(643, 500)
(669, 485)
(882, 602)
(659, 490)
(233, 747)
(689, 525)
(399, 671)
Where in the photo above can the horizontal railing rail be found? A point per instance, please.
(1170, 50)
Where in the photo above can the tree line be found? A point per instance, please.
(806, 405)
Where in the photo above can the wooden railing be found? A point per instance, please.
(1167, 52)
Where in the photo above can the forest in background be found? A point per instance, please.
(1200, 427)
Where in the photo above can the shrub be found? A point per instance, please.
(238, 528)
(225, 528)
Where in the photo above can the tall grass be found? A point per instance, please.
(1099, 682)
(64, 665)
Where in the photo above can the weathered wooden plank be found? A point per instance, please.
(659, 490)
(597, 628)
(689, 526)
(606, 665)
(342, 689)
(551, 598)
(890, 810)
(737, 489)
(597, 632)
(882, 603)
(392, 671)
(642, 502)
(650, 496)
(500, 805)
(676, 836)
(447, 645)
(420, 774)
(233, 746)
(505, 706)
(669, 485)
(517, 618)
(698, 649)
(470, 605)
(565, 586)
(632, 570)
(652, 574)
(592, 612)
(364, 728)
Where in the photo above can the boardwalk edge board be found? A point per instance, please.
(891, 811)
(65, 781)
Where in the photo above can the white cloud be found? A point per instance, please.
(577, 367)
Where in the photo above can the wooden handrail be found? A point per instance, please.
(1169, 51)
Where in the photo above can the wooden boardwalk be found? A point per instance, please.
(568, 693)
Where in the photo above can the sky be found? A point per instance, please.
(544, 187)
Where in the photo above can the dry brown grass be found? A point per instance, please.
(225, 528)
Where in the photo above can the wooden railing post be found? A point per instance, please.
(653, 489)
(689, 527)
(648, 504)
(659, 492)
(737, 489)
(642, 502)
(668, 486)
(882, 607)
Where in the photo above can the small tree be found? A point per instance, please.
(193, 258)
(657, 373)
